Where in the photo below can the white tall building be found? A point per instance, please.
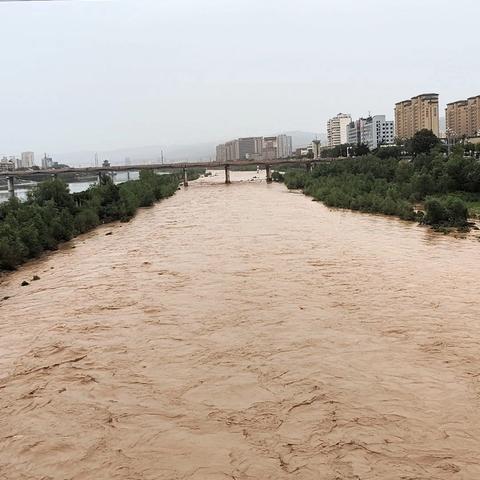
(27, 159)
(337, 129)
(221, 155)
(284, 146)
(47, 162)
(371, 131)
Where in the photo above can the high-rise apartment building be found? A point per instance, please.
(221, 154)
(250, 147)
(269, 151)
(256, 148)
(354, 129)
(463, 117)
(418, 113)
(279, 146)
(404, 119)
(27, 160)
(239, 149)
(337, 129)
(233, 150)
(372, 131)
(284, 146)
(456, 115)
(47, 162)
(473, 119)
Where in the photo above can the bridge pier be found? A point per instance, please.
(128, 175)
(269, 173)
(309, 167)
(227, 174)
(185, 177)
(11, 187)
(54, 176)
(100, 178)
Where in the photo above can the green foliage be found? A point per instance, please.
(389, 152)
(55, 191)
(446, 212)
(52, 214)
(345, 150)
(393, 186)
(296, 179)
(424, 141)
(277, 176)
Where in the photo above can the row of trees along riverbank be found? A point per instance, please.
(52, 214)
(445, 186)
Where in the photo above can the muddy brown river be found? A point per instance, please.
(244, 332)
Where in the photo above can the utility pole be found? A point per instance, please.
(449, 133)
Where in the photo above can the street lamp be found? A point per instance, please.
(450, 134)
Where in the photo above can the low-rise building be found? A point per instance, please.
(7, 165)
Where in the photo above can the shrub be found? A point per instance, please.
(448, 212)
(52, 215)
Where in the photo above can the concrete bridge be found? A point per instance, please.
(267, 164)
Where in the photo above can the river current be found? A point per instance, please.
(244, 332)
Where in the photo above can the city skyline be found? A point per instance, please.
(121, 78)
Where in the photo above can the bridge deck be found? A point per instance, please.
(164, 166)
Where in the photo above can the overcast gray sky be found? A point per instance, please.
(100, 75)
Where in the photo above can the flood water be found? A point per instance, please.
(244, 332)
(21, 192)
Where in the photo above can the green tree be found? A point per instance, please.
(457, 211)
(54, 190)
(435, 212)
(423, 141)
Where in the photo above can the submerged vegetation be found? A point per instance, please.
(431, 188)
(52, 214)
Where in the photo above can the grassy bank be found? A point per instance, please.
(52, 214)
(447, 187)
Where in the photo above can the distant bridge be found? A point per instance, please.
(267, 164)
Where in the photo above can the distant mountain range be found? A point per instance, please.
(302, 139)
(147, 154)
(171, 154)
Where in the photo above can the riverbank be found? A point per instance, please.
(243, 331)
(53, 215)
(394, 186)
